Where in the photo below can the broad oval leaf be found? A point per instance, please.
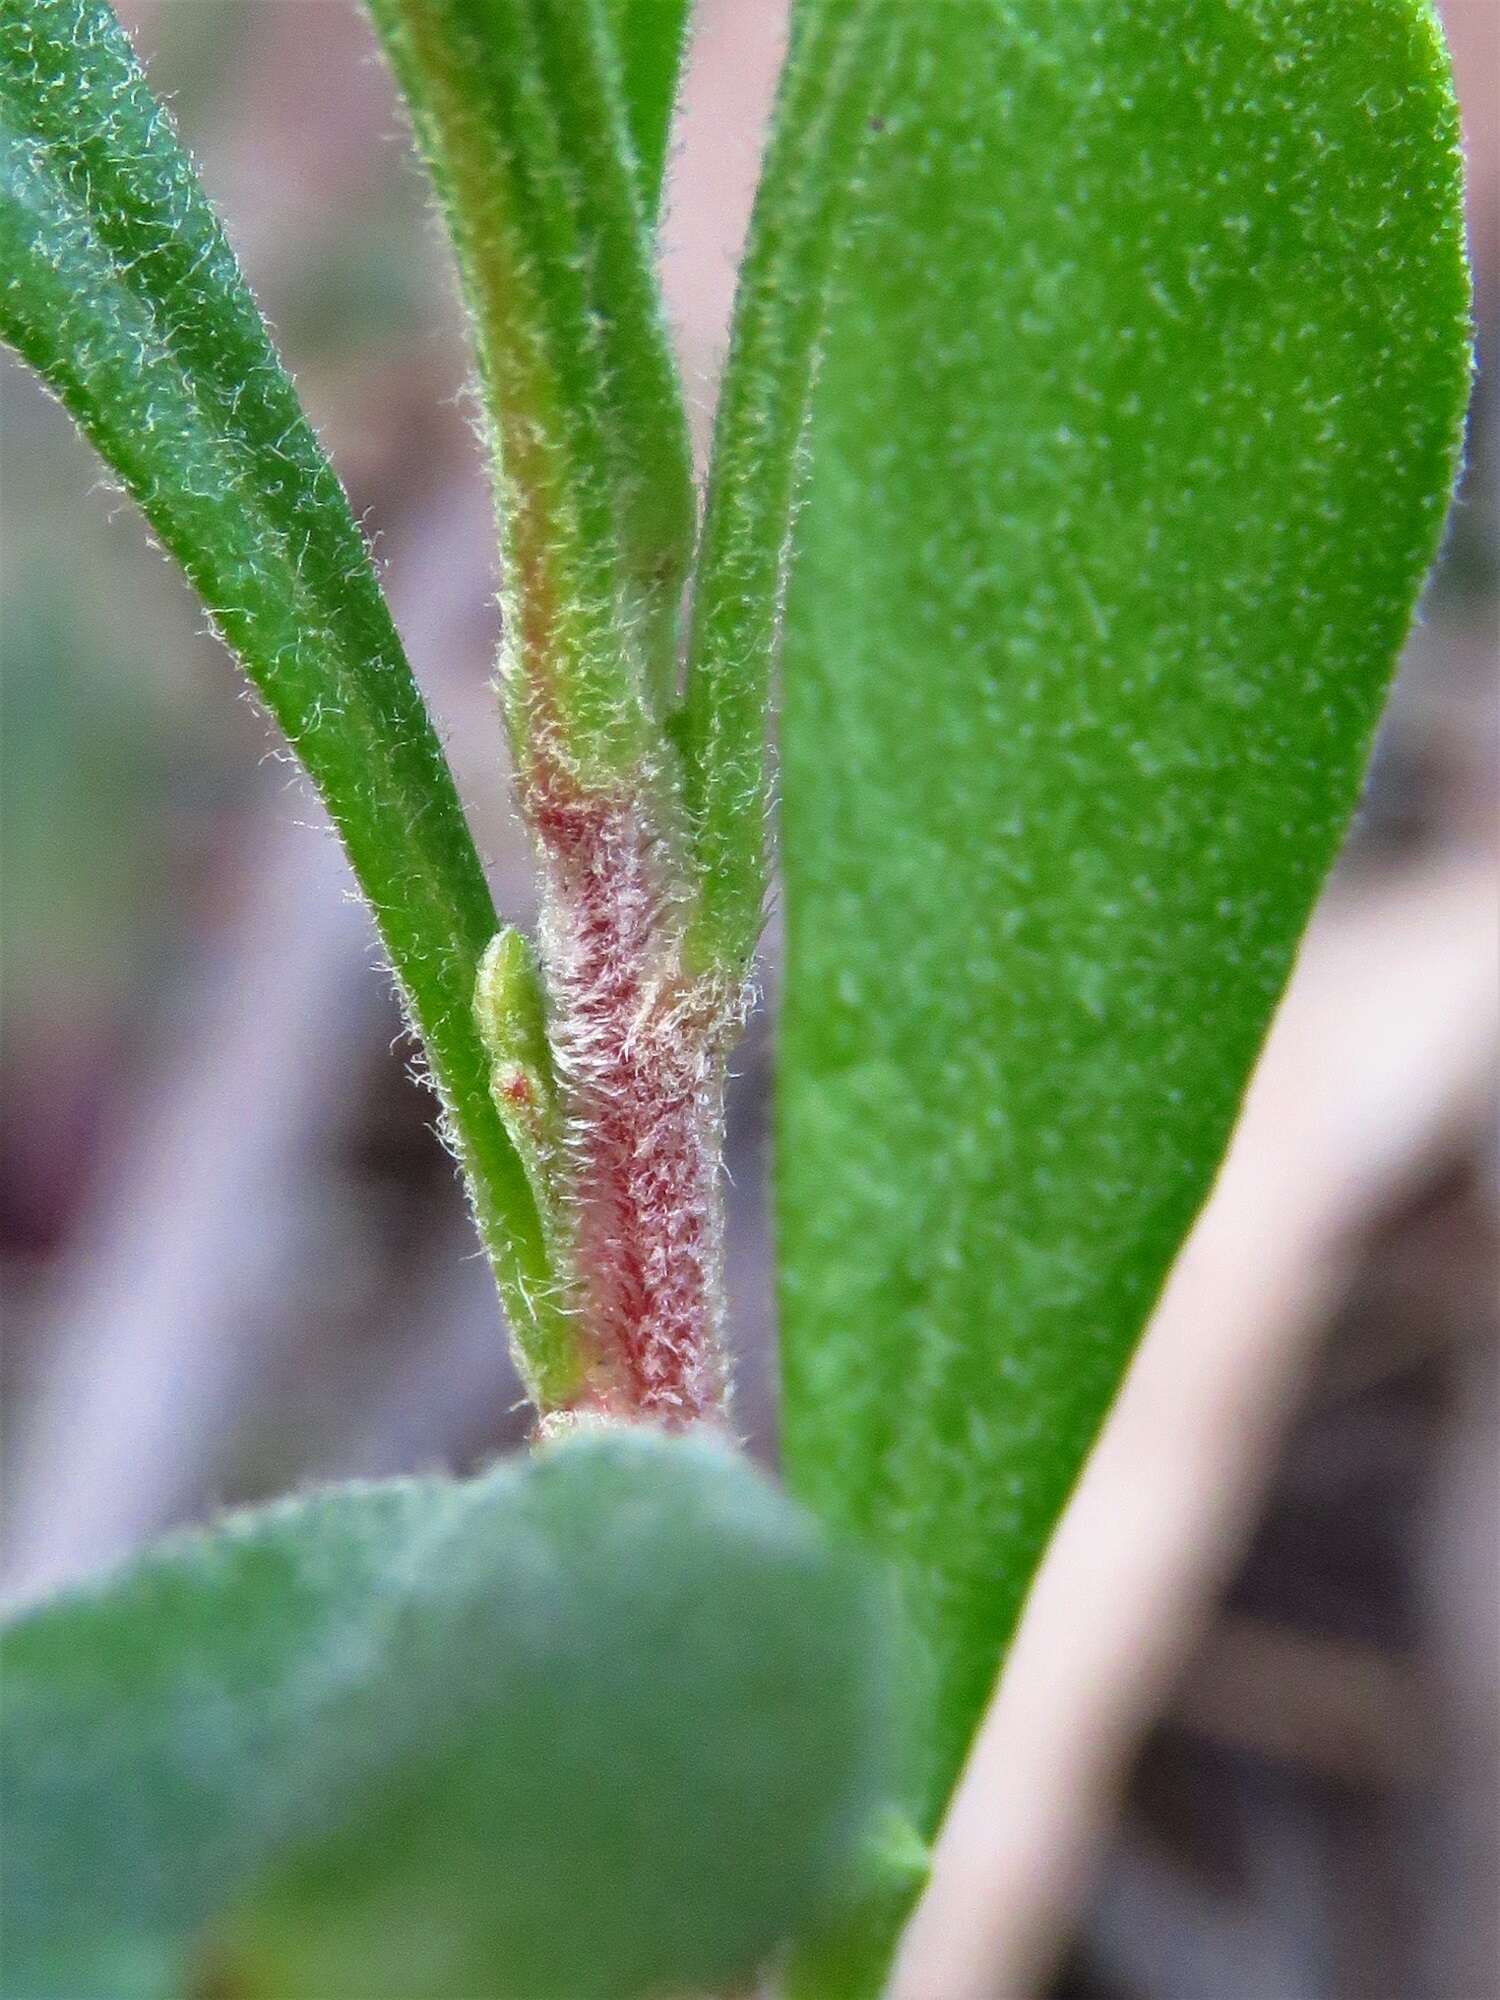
(609, 1724)
(1136, 427)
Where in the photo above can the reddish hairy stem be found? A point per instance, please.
(639, 1053)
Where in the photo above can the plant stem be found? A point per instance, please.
(638, 1049)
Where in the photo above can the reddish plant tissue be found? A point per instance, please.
(639, 1050)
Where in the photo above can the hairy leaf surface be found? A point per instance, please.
(521, 112)
(610, 1724)
(818, 136)
(650, 38)
(1138, 419)
(117, 285)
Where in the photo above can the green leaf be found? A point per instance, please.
(650, 38)
(117, 285)
(1137, 423)
(818, 137)
(615, 1723)
(520, 112)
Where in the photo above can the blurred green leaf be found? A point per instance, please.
(1134, 436)
(117, 286)
(615, 1723)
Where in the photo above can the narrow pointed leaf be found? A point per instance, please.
(520, 112)
(117, 285)
(611, 1724)
(818, 137)
(1138, 419)
(650, 38)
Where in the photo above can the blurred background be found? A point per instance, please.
(1249, 1746)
